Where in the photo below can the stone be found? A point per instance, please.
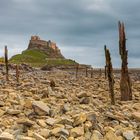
(82, 94)
(96, 135)
(80, 119)
(30, 133)
(64, 108)
(8, 90)
(114, 117)
(87, 135)
(64, 120)
(1, 103)
(136, 115)
(88, 125)
(38, 137)
(136, 138)
(136, 106)
(42, 123)
(59, 131)
(40, 108)
(110, 134)
(13, 112)
(85, 100)
(120, 138)
(128, 135)
(21, 137)
(108, 128)
(76, 132)
(6, 136)
(71, 138)
(28, 103)
(45, 133)
(91, 117)
(25, 122)
(50, 121)
(80, 138)
(2, 112)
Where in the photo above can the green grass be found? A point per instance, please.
(37, 58)
(2, 60)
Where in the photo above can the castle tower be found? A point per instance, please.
(35, 37)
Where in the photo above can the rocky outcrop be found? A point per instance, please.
(48, 47)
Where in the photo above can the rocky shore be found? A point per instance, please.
(68, 109)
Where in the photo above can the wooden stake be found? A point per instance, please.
(125, 82)
(77, 69)
(100, 72)
(91, 72)
(6, 63)
(86, 71)
(105, 63)
(17, 73)
(109, 71)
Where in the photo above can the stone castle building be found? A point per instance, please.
(48, 47)
(37, 40)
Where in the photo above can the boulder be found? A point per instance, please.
(6, 136)
(77, 131)
(25, 122)
(80, 119)
(136, 115)
(40, 108)
(38, 137)
(59, 131)
(128, 135)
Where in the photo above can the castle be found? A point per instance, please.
(46, 46)
(37, 40)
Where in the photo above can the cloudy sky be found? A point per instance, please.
(79, 27)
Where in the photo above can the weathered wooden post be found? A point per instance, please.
(6, 63)
(52, 84)
(86, 71)
(17, 73)
(105, 62)
(125, 83)
(77, 69)
(109, 71)
(100, 72)
(91, 72)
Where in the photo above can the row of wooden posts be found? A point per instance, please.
(86, 71)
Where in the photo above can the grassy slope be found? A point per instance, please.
(38, 59)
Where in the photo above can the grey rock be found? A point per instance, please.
(85, 100)
(40, 108)
(6, 136)
(128, 135)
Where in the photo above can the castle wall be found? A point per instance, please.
(37, 40)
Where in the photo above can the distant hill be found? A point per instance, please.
(40, 53)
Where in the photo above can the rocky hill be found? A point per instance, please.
(40, 53)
